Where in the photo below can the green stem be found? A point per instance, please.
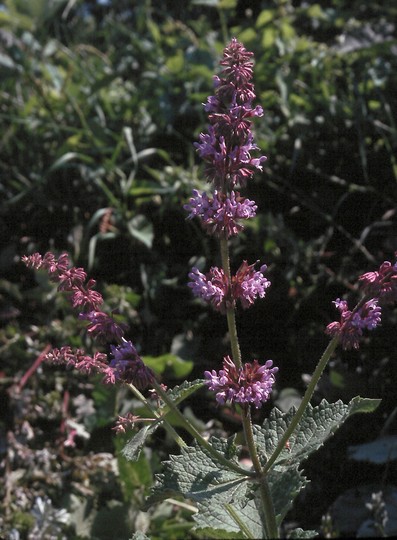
(230, 313)
(267, 502)
(304, 403)
(197, 435)
(177, 438)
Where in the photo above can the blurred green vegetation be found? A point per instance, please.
(100, 103)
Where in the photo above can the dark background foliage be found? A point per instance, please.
(100, 103)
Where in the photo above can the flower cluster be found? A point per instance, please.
(126, 365)
(352, 323)
(226, 149)
(81, 361)
(378, 287)
(250, 384)
(215, 288)
(382, 283)
(221, 214)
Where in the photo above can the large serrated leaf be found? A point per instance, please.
(315, 427)
(217, 519)
(227, 502)
(197, 475)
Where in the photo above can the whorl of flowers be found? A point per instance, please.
(250, 384)
(352, 323)
(221, 214)
(382, 283)
(379, 287)
(215, 289)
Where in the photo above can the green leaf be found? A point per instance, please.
(317, 424)
(363, 405)
(141, 229)
(197, 475)
(284, 487)
(135, 475)
(184, 390)
(219, 520)
(171, 363)
(132, 449)
(264, 17)
(225, 499)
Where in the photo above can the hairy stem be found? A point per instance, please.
(269, 514)
(158, 417)
(305, 401)
(230, 313)
(268, 506)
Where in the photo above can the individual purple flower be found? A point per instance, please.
(221, 214)
(381, 283)
(250, 384)
(103, 327)
(352, 323)
(227, 146)
(128, 365)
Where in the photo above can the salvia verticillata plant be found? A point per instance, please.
(233, 499)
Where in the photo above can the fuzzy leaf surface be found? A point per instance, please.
(284, 487)
(197, 475)
(132, 449)
(220, 493)
(316, 426)
(217, 519)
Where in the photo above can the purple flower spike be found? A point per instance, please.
(352, 323)
(227, 146)
(71, 280)
(251, 384)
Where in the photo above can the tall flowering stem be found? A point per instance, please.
(226, 149)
